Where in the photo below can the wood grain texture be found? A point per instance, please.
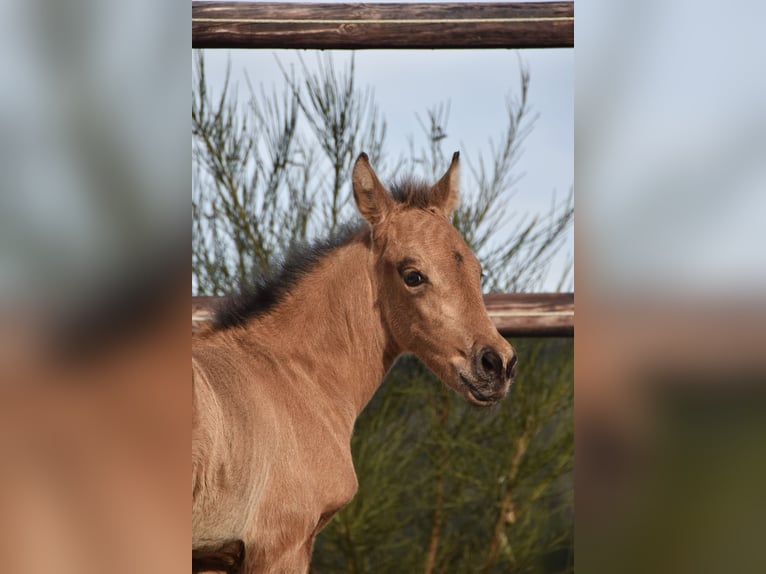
(514, 315)
(273, 25)
(532, 314)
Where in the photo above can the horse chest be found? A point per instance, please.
(316, 451)
(301, 499)
(324, 474)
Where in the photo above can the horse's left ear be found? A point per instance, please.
(371, 198)
(444, 195)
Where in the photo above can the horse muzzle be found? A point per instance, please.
(490, 378)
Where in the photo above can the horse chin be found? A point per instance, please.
(475, 396)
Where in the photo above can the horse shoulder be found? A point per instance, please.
(332, 468)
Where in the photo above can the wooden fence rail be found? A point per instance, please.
(514, 315)
(365, 26)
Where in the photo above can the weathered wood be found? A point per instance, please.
(384, 26)
(514, 315)
(532, 314)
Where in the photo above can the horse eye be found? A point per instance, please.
(413, 278)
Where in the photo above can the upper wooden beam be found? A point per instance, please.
(514, 315)
(366, 26)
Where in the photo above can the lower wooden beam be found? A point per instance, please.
(514, 315)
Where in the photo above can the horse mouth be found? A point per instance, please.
(476, 396)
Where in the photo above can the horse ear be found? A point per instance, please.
(444, 195)
(371, 198)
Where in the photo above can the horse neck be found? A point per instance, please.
(329, 327)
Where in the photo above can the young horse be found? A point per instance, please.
(281, 377)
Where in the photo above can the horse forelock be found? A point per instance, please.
(411, 192)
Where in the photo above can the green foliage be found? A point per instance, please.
(482, 490)
(444, 486)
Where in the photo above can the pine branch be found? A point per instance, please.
(506, 512)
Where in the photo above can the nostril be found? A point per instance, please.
(510, 369)
(491, 363)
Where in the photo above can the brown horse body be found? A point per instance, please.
(277, 387)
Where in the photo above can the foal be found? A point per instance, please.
(281, 377)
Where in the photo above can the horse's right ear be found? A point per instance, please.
(371, 198)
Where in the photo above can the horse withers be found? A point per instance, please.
(284, 371)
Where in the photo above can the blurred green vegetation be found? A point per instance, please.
(443, 486)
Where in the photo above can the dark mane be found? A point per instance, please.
(269, 288)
